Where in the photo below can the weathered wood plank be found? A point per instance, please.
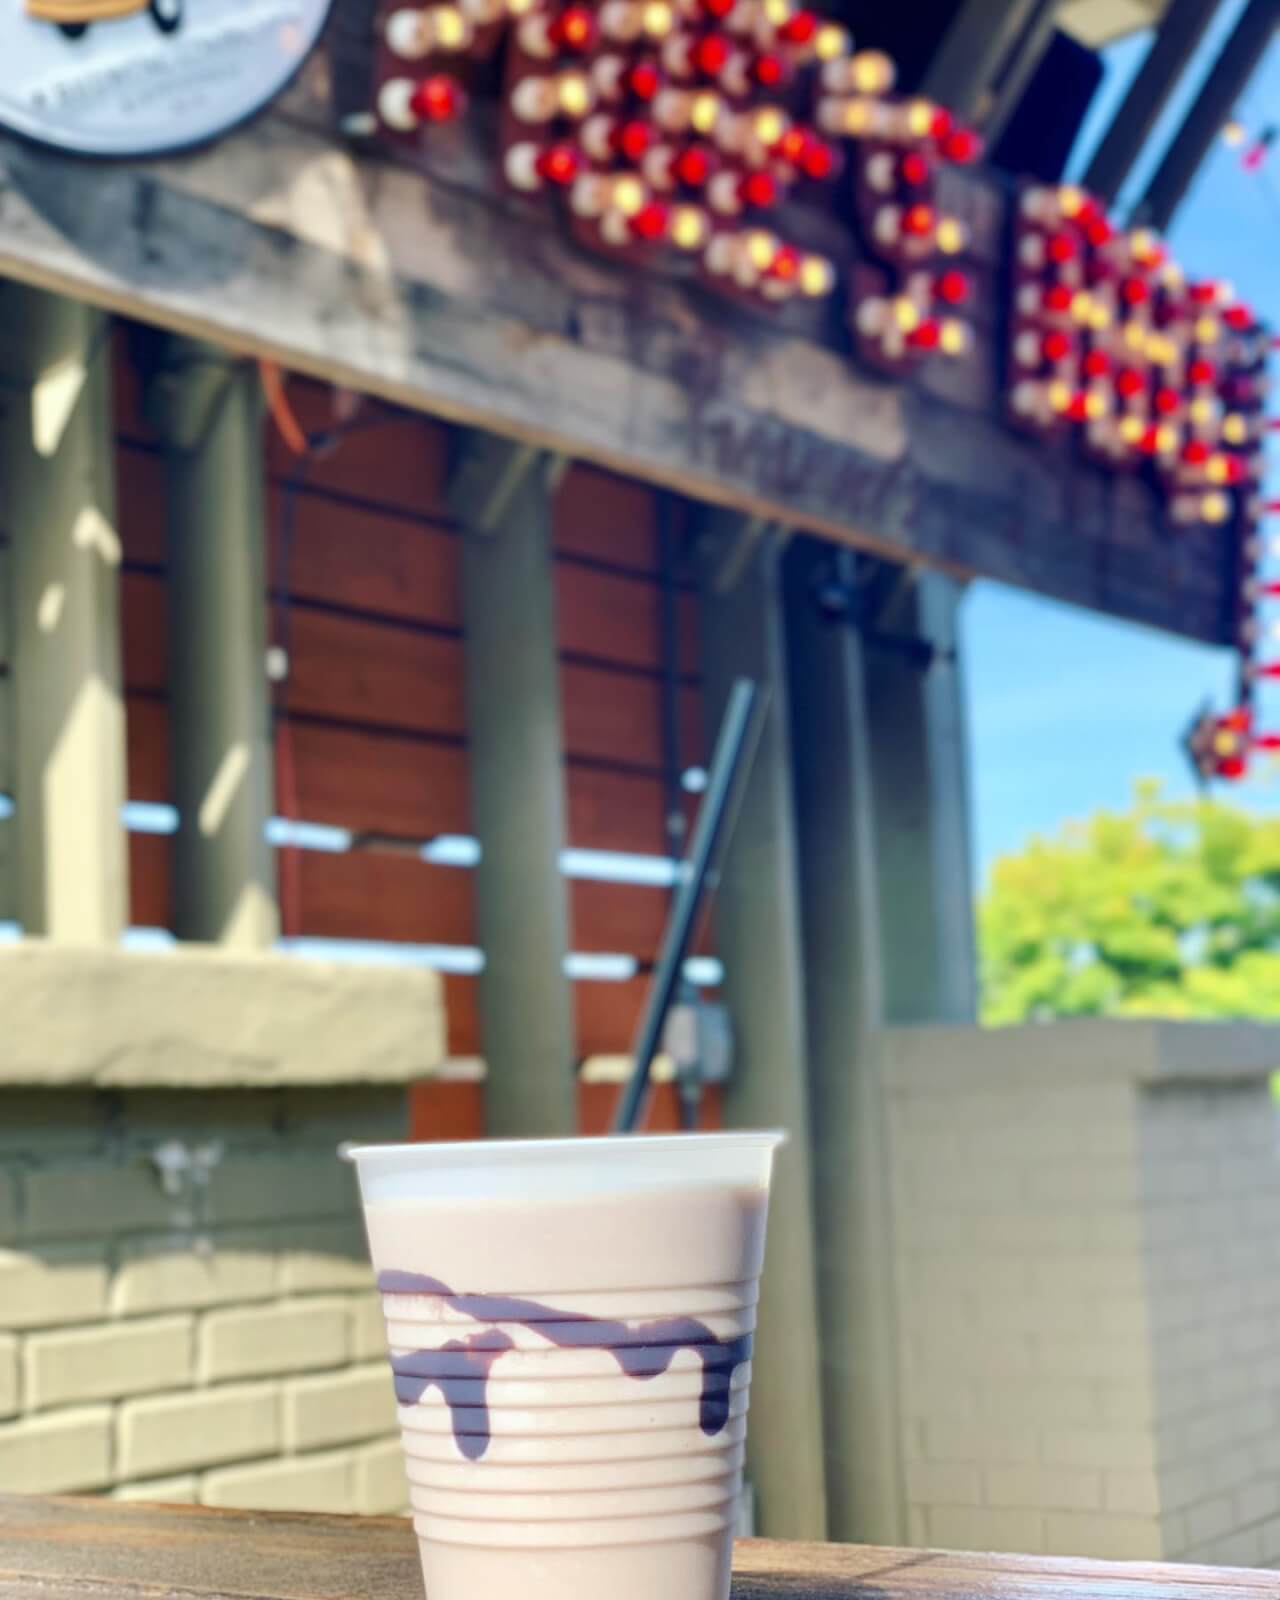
(441, 295)
(61, 1549)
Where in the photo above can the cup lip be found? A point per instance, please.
(458, 1151)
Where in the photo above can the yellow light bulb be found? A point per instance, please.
(1172, 275)
(704, 111)
(1166, 438)
(451, 28)
(905, 314)
(1225, 743)
(1161, 349)
(761, 249)
(1095, 405)
(1082, 306)
(817, 276)
(628, 195)
(1202, 411)
(520, 8)
(1143, 244)
(777, 11)
(1059, 395)
(1217, 470)
(1234, 132)
(769, 124)
(1207, 329)
(1235, 429)
(658, 19)
(1070, 200)
(1101, 318)
(830, 42)
(1215, 507)
(1131, 429)
(951, 236)
(872, 72)
(920, 114)
(1134, 335)
(688, 228)
(953, 337)
(858, 116)
(575, 95)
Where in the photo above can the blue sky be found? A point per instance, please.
(1068, 709)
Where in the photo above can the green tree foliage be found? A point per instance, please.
(1169, 909)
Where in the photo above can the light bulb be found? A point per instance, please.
(394, 104)
(952, 236)
(535, 99)
(1207, 330)
(406, 34)
(704, 111)
(1215, 507)
(817, 276)
(906, 314)
(1070, 200)
(689, 227)
(628, 195)
(1235, 428)
(1058, 395)
(658, 19)
(831, 42)
(1131, 429)
(954, 337)
(452, 30)
(919, 118)
(768, 125)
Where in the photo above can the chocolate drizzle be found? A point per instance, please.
(460, 1369)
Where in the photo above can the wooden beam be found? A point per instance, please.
(446, 298)
(1179, 34)
(916, 727)
(845, 1007)
(207, 408)
(1222, 87)
(973, 48)
(500, 495)
(757, 916)
(56, 464)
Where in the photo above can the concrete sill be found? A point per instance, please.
(198, 1018)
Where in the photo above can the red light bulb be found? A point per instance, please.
(758, 189)
(818, 159)
(914, 169)
(799, 28)
(559, 164)
(1203, 294)
(785, 263)
(644, 80)
(1239, 318)
(1129, 382)
(1149, 442)
(1202, 371)
(574, 28)
(718, 8)
(942, 123)
(650, 222)
(1098, 231)
(693, 166)
(1056, 345)
(711, 54)
(438, 99)
(633, 140)
(952, 287)
(1135, 291)
(1097, 364)
(768, 71)
(926, 335)
(1166, 401)
(962, 146)
(791, 146)
(1195, 452)
(1057, 297)
(918, 220)
(1061, 247)
(1078, 407)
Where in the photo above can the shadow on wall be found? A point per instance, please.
(186, 1306)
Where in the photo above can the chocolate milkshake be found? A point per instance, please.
(570, 1326)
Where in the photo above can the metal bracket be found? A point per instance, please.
(488, 473)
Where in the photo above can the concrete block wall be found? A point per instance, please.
(1086, 1247)
(221, 1343)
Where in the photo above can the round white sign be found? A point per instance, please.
(139, 77)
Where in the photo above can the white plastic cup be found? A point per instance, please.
(569, 1324)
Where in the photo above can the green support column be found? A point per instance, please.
(207, 408)
(757, 918)
(501, 494)
(880, 806)
(58, 515)
(8, 864)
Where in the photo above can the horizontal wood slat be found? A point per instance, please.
(606, 1015)
(150, 880)
(363, 557)
(387, 457)
(618, 618)
(608, 518)
(615, 716)
(140, 503)
(144, 622)
(369, 781)
(146, 727)
(91, 1547)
